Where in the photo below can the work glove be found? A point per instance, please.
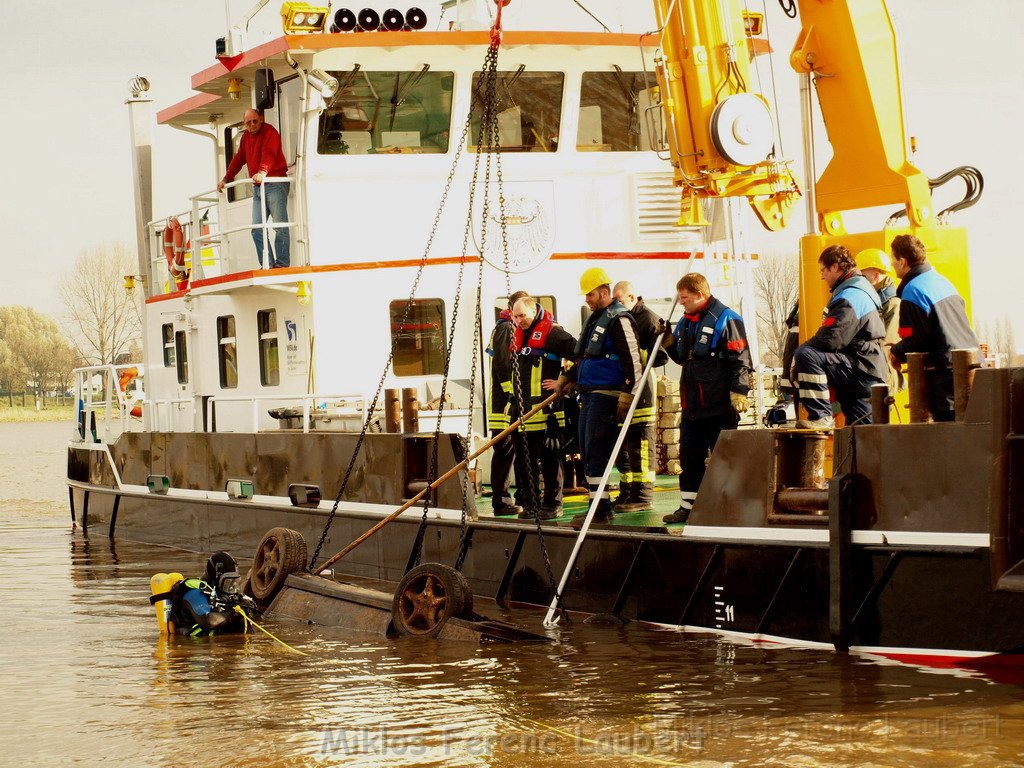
(565, 386)
(622, 407)
(667, 338)
(258, 178)
(740, 403)
(553, 435)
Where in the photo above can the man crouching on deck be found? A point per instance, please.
(710, 343)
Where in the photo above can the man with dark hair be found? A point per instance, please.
(636, 460)
(933, 320)
(710, 343)
(846, 352)
(540, 344)
(503, 453)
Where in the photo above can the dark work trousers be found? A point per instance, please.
(636, 462)
(698, 437)
(816, 371)
(549, 464)
(502, 457)
(598, 431)
(940, 394)
(572, 462)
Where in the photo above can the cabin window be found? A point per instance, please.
(529, 110)
(227, 352)
(614, 114)
(270, 371)
(167, 331)
(402, 112)
(418, 340)
(548, 302)
(181, 356)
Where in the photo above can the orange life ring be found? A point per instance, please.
(174, 251)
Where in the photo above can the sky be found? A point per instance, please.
(65, 128)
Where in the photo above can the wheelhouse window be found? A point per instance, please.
(181, 355)
(614, 114)
(167, 332)
(548, 302)
(418, 340)
(266, 324)
(227, 352)
(397, 112)
(529, 108)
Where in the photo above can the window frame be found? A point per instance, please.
(181, 356)
(226, 341)
(268, 342)
(431, 364)
(167, 339)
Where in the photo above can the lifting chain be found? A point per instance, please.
(489, 128)
(406, 313)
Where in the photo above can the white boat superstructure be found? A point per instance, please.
(371, 126)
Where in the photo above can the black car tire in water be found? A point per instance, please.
(281, 552)
(427, 597)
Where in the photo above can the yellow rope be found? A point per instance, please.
(248, 621)
(577, 737)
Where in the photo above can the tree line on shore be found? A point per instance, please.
(100, 325)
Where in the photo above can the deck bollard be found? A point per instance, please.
(392, 412)
(917, 388)
(880, 402)
(410, 410)
(965, 363)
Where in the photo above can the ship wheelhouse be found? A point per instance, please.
(368, 156)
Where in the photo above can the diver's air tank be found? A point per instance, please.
(160, 584)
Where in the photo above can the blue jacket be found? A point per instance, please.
(609, 351)
(933, 318)
(853, 326)
(711, 346)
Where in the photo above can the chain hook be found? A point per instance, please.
(496, 29)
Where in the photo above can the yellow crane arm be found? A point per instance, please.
(849, 49)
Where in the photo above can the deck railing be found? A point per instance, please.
(104, 408)
(205, 252)
(314, 406)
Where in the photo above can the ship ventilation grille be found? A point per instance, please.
(656, 203)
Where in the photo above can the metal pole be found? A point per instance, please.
(439, 481)
(549, 620)
(807, 118)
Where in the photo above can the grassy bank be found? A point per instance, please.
(29, 413)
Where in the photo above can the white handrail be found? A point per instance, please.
(86, 391)
(307, 401)
(201, 203)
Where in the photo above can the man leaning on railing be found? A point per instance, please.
(260, 150)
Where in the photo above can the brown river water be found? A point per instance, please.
(85, 679)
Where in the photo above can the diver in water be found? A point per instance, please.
(207, 605)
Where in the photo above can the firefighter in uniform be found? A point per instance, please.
(846, 352)
(503, 453)
(540, 345)
(710, 343)
(606, 375)
(874, 264)
(636, 460)
(933, 319)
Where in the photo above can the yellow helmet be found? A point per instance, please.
(592, 278)
(874, 258)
